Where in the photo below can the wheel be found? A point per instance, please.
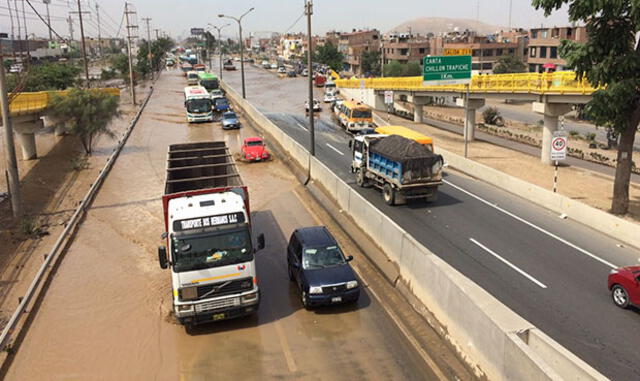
(290, 273)
(305, 301)
(620, 296)
(361, 180)
(389, 194)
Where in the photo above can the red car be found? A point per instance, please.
(624, 284)
(253, 149)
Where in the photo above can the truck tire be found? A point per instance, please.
(389, 194)
(361, 179)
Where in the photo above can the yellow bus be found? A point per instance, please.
(354, 116)
(406, 133)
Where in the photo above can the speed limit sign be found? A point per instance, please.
(559, 146)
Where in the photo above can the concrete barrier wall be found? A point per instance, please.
(486, 332)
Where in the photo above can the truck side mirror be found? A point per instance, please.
(350, 258)
(260, 242)
(163, 235)
(350, 143)
(162, 257)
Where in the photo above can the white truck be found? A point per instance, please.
(209, 246)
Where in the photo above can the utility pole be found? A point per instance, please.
(147, 20)
(99, 35)
(312, 132)
(13, 36)
(70, 21)
(47, 2)
(84, 48)
(127, 12)
(13, 179)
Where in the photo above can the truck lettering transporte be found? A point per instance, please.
(209, 246)
(197, 102)
(401, 167)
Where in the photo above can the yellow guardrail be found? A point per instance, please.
(562, 82)
(33, 102)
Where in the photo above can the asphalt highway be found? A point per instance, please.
(550, 270)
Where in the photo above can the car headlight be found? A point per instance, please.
(351, 124)
(352, 284)
(249, 156)
(613, 271)
(315, 290)
(188, 293)
(265, 155)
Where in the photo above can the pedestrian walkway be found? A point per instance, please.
(587, 186)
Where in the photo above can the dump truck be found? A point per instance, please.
(208, 232)
(402, 168)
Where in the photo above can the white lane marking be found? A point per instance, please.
(303, 127)
(522, 272)
(334, 148)
(578, 248)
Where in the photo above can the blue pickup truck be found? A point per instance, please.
(402, 168)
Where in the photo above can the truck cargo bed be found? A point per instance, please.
(203, 165)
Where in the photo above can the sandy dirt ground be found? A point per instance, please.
(106, 314)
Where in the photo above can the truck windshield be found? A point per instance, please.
(361, 114)
(199, 105)
(203, 251)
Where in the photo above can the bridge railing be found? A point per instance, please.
(563, 82)
(32, 102)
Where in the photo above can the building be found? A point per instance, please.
(353, 44)
(291, 46)
(487, 50)
(544, 43)
(405, 48)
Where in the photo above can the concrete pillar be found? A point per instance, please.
(470, 116)
(25, 128)
(418, 112)
(379, 102)
(550, 112)
(28, 145)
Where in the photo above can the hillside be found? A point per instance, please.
(439, 25)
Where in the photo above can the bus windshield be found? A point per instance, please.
(209, 84)
(361, 114)
(199, 105)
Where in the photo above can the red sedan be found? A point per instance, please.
(254, 149)
(624, 284)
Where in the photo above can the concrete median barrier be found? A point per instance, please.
(494, 340)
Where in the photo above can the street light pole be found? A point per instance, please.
(312, 132)
(239, 21)
(219, 29)
(13, 178)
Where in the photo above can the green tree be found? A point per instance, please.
(86, 114)
(55, 76)
(371, 62)
(397, 69)
(120, 62)
(329, 55)
(393, 69)
(509, 64)
(412, 69)
(610, 60)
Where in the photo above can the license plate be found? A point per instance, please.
(218, 316)
(258, 158)
(336, 299)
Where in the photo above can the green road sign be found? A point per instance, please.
(446, 70)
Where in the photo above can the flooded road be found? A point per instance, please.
(107, 312)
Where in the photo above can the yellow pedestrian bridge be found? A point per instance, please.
(27, 110)
(552, 95)
(36, 102)
(560, 83)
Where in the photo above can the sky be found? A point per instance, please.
(176, 17)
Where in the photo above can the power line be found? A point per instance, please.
(45, 22)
